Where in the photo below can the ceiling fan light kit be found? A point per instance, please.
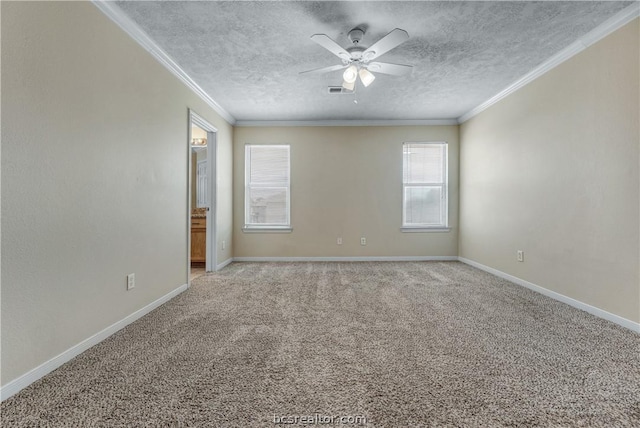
(350, 74)
(356, 59)
(366, 77)
(350, 86)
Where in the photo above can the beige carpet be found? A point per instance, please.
(400, 344)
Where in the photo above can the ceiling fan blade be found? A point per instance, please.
(388, 68)
(327, 43)
(385, 44)
(324, 69)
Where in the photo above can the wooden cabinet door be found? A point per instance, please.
(198, 240)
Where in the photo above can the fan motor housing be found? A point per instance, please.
(356, 52)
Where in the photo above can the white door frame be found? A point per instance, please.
(212, 232)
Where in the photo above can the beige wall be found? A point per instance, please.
(224, 191)
(553, 170)
(345, 182)
(72, 231)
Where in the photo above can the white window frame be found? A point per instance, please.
(424, 227)
(265, 227)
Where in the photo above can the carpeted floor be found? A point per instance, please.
(400, 344)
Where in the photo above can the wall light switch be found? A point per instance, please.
(520, 255)
(363, 241)
(339, 241)
(224, 245)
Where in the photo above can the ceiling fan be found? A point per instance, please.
(357, 59)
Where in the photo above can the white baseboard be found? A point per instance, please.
(347, 259)
(631, 325)
(28, 378)
(224, 263)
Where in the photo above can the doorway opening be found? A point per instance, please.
(202, 205)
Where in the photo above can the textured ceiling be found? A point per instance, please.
(247, 55)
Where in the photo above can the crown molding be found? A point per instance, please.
(271, 123)
(603, 30)
(116, 14)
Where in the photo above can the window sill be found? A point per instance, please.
(271, 229)
(425, 229)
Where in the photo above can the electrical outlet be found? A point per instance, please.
(339, 241)
(363, 241)
(520, 255)
(131, 281)
(224, 245)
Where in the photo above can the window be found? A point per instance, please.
(424, 185)
(266, 187)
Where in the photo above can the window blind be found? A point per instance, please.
(424, 193)
(267, 186)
